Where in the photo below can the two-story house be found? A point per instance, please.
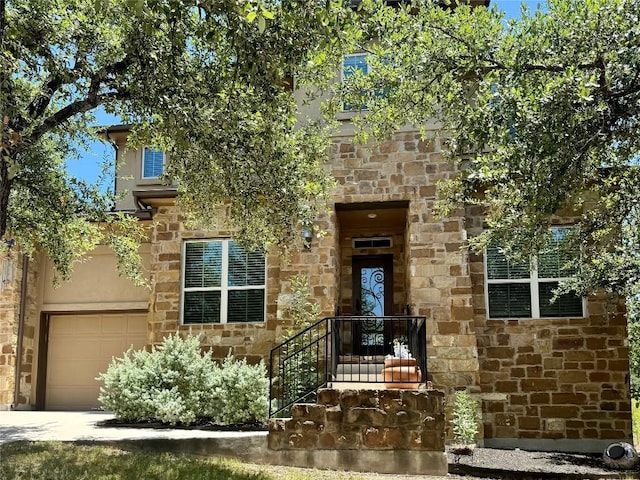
(550, 375)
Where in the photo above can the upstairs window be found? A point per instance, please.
(526, 290)
(222, 283)
(352, 64)
(152, 163)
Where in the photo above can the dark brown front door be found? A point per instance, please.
(372, 297)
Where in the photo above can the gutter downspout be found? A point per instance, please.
(21, 315)
(113, 143)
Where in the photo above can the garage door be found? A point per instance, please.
(82, 346)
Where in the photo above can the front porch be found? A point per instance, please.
(346, 353)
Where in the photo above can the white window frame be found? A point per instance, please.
(534, 288)
(224, 288)
(164, 159)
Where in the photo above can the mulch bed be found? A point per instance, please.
(203, 424)
(524, 465)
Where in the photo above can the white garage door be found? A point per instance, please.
(82, 346)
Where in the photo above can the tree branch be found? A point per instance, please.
(3, 23)
(80, 106)
(90, 101)
(42, 99)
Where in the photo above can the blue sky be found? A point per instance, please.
(512, 7)
(89, 166)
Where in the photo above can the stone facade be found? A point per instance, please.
(556, 383)
(383, 431)
(430, 273)
(9, 305)
(9, 320)
(560, 383)
(437, 280)
(364, 420)
(252, 340)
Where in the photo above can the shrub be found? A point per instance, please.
(242, 391)
(465, 427)
(177, 383)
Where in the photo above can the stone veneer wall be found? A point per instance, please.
(9, 304)
(9, 312)
(375, 421)
(553, 383)
(252, 341)
(437, 277)
(435, 270)
(29, 339)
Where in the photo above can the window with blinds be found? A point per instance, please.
(351, 64)
(152, 163)
(526, 289)
(222, 283)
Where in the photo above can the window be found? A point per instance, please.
(350, 65)
(354, 63)
(222, 283)
(152, 163)
(523, 290)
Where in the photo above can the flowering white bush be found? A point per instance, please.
(177, 383)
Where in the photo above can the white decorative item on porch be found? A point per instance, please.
(400, 350)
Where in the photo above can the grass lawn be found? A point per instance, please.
(66, 461)
(69, 461)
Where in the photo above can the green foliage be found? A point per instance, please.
(539, 113)
(300, 310)
(303, 362)
(465, 418)
(635, 422)
(209, 82)
(177, 383)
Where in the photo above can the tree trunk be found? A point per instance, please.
(5, 190)
(5, 183)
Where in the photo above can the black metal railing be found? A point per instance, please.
(298, 367)
(344, 349)
(364, 342)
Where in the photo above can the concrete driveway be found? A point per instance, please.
(82, 426)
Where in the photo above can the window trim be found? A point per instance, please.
(224, 288)
(533, 281)
(142, 163)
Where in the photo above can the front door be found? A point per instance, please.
(372, 297)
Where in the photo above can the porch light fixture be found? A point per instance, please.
(8, 271)
(307, 236)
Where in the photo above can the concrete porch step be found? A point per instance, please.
(357, 385)
(363, 377)
(361, 358)
(359, 368)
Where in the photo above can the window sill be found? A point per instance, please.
(537, 321)
(149, 181)
(218, 324)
